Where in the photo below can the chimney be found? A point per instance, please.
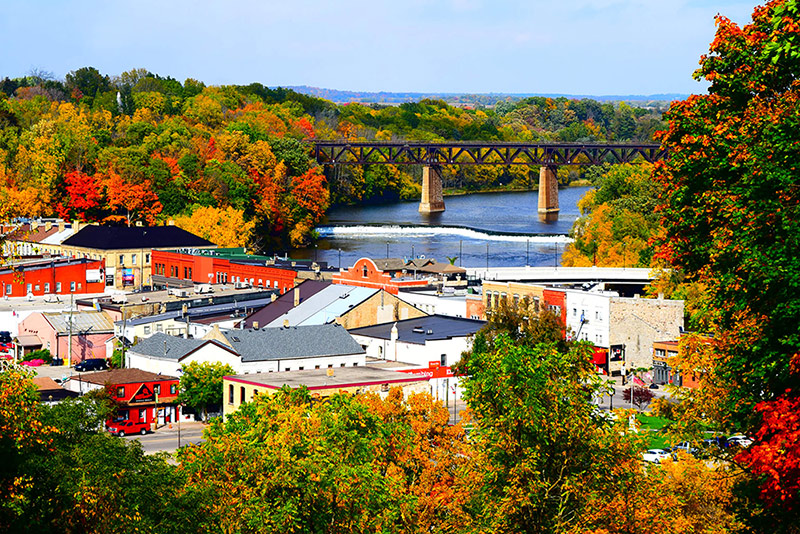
(255, 325)
(296, 296)
(170, 223)
(48, 225)
(286, 323)
(34, 225)
(62, 225)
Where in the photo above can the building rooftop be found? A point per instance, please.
(319, 379)
(288, 343)
(284, 303)
(167, 347)
(84, 322)
(131, 237)
(325, 305)
(121, 376)
(422, 329)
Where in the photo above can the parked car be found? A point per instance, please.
(686, 447)
(740, 440)
(124, 428)
(655, 456)
(92, 364)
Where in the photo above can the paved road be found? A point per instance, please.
(165, 439)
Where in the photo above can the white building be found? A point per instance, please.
(452, 302)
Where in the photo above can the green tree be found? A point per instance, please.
(542, 449)
(201, 385)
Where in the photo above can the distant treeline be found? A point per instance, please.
(145, 147)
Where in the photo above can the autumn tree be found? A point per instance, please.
(729, 203)
(223, 227)
(290, 462)
(83, 197)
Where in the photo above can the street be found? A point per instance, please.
(165, 439)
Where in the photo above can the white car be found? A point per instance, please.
(655, 456)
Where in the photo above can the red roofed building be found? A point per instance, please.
(365, 273)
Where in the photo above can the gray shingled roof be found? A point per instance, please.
(293, 342)
(421, 329)
(164, 346)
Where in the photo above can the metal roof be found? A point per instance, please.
(129, 237)
(325, 306)
(91, 322)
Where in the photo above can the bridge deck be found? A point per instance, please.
(562, 274)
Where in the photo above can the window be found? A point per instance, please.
(316, 367)
(142, 414)
(443, 360)
(79, 285)
(241, 395)
(72, 286)
(355, 364)
(341, 365)
(47, 288)
(230, 394)
(147, 258)
(301, 368)
(133, 259)
(330, 365)
(159, 327)
(574, 312)
(173, 389)
(58, 287)
(122, 259)
(287, 369)
(157, 389)
(255, 393)
(8, 289)
(36, 287)
(365, 272)
(147, 330)
(120, 391)
(28, 288)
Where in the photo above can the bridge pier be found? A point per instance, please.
(548, 194)
(432, 200)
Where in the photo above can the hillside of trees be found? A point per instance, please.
(144, 147)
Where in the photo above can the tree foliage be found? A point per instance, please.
(201, 385)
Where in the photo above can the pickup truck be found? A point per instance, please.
(128, 427)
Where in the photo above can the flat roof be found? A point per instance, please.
(317, 379)
(422, 329)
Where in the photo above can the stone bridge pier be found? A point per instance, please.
(548, 193)
(432, 200)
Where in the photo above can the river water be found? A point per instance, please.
(503, 227)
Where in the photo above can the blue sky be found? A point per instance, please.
(598, 47)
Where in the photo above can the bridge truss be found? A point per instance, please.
(483, 153)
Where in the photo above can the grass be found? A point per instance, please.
(655, 425)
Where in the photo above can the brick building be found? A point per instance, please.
(51, 276)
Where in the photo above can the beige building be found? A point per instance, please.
(321, 383)
(126, 250)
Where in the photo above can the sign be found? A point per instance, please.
(617, 353)
(127, 277)
(430, 372)
(145, 394)
(94, 275)
(434, 364)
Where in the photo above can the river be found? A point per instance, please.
(501, 227)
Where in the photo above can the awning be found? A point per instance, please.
(29, 341)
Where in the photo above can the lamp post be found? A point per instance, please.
(527, 252)
(387, 250)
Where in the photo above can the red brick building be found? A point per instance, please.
(365, 273)
(178, 268)
(52, 276)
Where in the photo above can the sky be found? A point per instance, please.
(587, 47)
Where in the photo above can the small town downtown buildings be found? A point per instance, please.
(88, 330)
(141, 396)
(321, 383)
(126, 250)
(366, 273)
(51, 276)
(176, 268)
(664, 355)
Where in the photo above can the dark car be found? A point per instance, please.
(92, 364)
(128, 427)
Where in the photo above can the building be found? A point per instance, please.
(126, 250)
(320, 383)
(50, 392)
(449, 301)
(351, 307)
(165, 354)
(365, 273)
(434, 340)
(664, 354)
(140, 396)
(284, 303)
(176, 268)
(87, 330)
(265, 350)
(38, 237)
(51, 276)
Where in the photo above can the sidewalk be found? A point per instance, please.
(185, 426)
